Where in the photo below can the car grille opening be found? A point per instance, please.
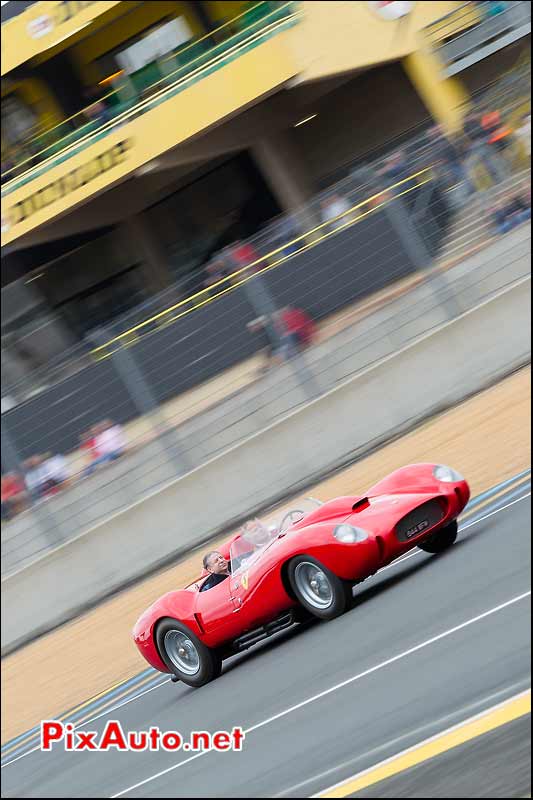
(421, 519)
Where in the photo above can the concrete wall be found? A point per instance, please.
(433, 372)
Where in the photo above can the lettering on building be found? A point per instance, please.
(61, 13)
(62, 187)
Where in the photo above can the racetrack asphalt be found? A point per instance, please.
(430, 642)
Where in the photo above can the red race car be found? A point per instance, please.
(308, 562)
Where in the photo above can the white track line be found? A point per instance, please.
(436, 736)
(92, 719)
(338, 686)
(389, 566)
(508, 692)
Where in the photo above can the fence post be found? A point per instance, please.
(143, 398)
(46, 520)
(261, 300)
(420, 256)
(263, 305)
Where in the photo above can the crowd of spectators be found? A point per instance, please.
(483, 154)
(47, 474)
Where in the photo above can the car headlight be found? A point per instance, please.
(347, 534)
(446, 474)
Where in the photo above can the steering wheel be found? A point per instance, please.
(289, 515)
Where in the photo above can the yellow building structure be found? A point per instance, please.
(138, 136)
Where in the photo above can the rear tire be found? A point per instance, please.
(189, 659)
(440, 540)
(318, 589)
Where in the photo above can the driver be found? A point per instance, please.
(215, 563)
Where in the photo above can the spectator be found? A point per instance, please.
(283, 235)
(96, 110)
(109, 444)
(55, 472)
(14, 495)
(216, 271)
(478, 150)
(332, 207)
(447, 157)
(88, 446)
(295, 330)
(243, 254)
(300, 329)
(499, 134)
(36, 479)
(394, 167)
(510, 213)
(45, 474)
(394, 174)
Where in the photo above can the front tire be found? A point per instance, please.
(318, 589)
(440, 540)
(189, 659)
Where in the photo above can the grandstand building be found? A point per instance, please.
(140, 138)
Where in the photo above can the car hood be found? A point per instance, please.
(369, 511)
(333, 511)
(365, 512)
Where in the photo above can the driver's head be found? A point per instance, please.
(215, 562)
(255, 532)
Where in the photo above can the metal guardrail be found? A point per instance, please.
(475, 30)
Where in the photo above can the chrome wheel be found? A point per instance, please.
(182, 652)
(313, 585)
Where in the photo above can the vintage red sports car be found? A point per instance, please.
(308, 563)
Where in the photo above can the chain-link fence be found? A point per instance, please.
(433, 189)
(449, 186)
(161, 401)
(272, 323)
(475, 30)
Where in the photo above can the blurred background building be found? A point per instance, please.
(291, 157)
(139, 138)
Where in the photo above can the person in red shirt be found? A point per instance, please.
(296, 330)
(298, 326)
(243, 254)
(14, 495)
(88, 448)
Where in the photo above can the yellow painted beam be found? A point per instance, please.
(43, 26)
(445, 98)
(101, 164)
